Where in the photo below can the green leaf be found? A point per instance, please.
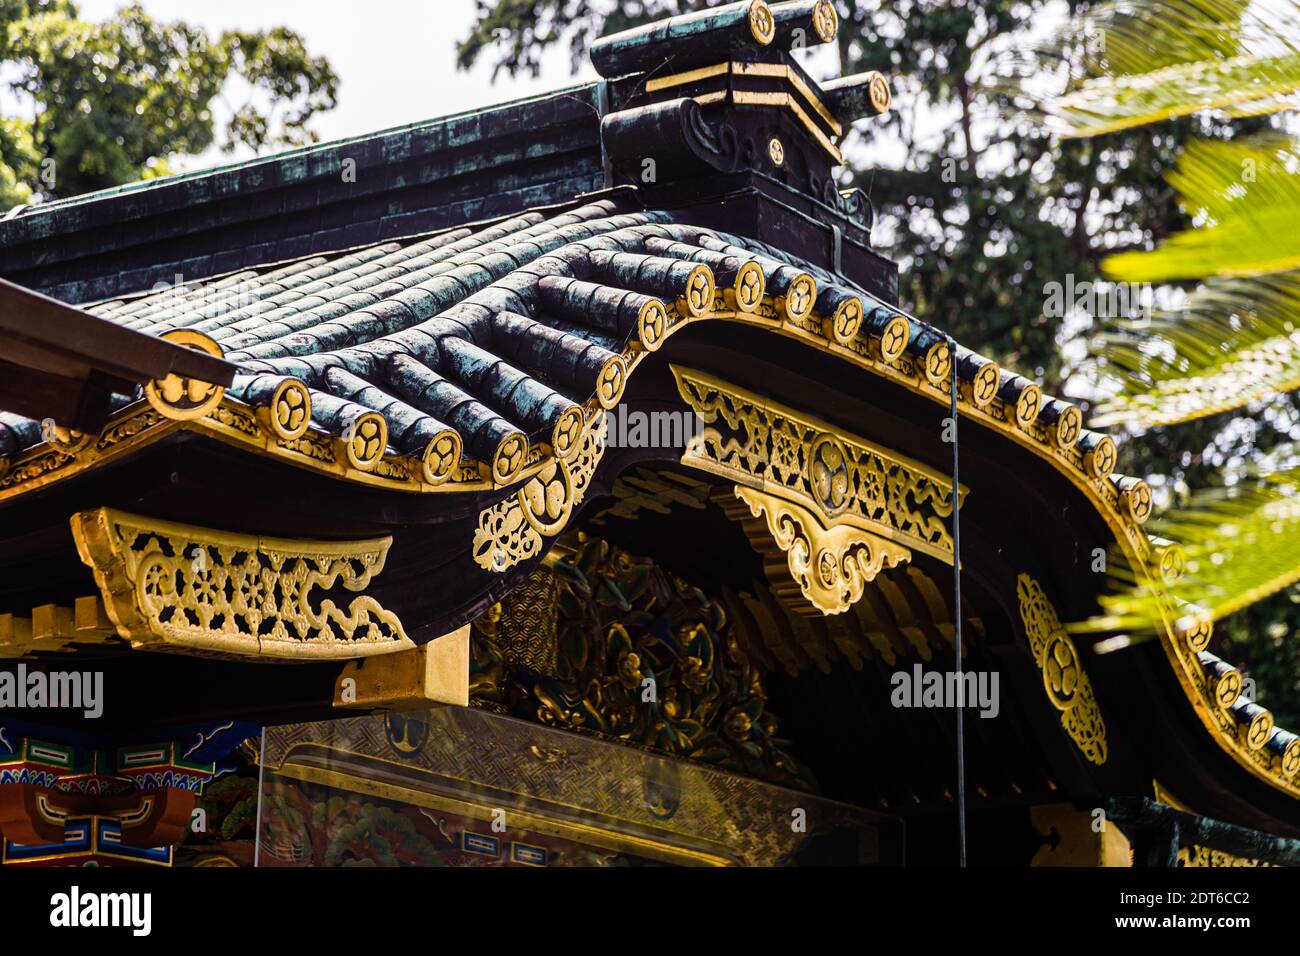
(1242, 545)
(1236, 341)
(1248, 195)
(1153, 60)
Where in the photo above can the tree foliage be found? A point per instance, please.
(103, 104)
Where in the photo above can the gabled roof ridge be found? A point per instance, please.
(160, 182)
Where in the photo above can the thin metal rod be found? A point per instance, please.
(956, 614)
(261, 797)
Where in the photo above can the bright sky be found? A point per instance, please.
(395, 58)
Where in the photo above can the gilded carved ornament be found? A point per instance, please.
(185, 399)
(1064, 680)
(176, 586)
(839, 507)
(512, 530)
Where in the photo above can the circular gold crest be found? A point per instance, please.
(828, 568)
(1173, 563)
(290, 409)
(1259, 730)
(1101, 460)
(698, 295)
(509, 457)
(651, 324)
(749, 287)
(893, 341)
(610, 382)
(1138, 499)
(878, 90)
(1068, 427)
(365, 439)
(825, 21)
(761, 24)
(1028, 404)
(800, 296)
(1227, 688)
(938, 363)
(1291, 759)
(1061, 672)
(984, 387)
(567, 431)
(546, 499)
(776, 151)
(845, 321)
(441, 456)
(828, 473)
(1196, 630)
(185, 399)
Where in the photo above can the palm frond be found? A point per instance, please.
(1234, 341)
(1247, 194)
(1151, 60)
(1242, 544)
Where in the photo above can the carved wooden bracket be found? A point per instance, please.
(839, 507)
(180, 587)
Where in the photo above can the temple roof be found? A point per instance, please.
(456, 335)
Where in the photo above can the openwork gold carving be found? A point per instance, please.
(840, 478)
(185, 399)
(511, 531)
(175, 586)
(832, 564)
(1064, 678)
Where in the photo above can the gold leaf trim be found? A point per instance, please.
(179, 587)
(1064, 679)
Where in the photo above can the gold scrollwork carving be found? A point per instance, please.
(1064, 679)
(832, 565)
(213, 592)
(840, 478)
(511, 531)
